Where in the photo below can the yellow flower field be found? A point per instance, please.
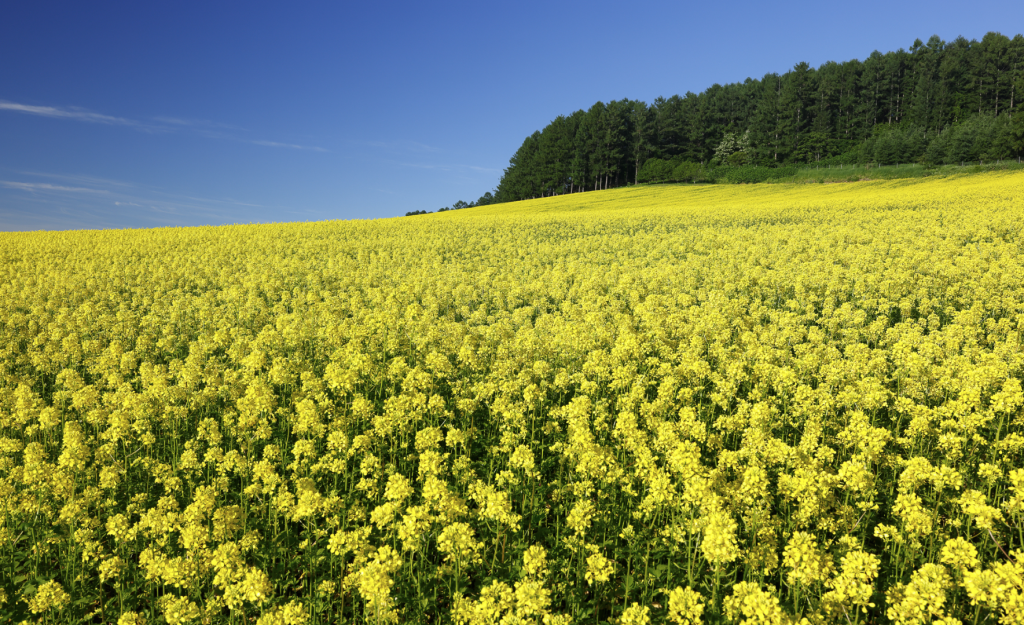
(684, 404)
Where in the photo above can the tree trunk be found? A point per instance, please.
(1013, 86)
(890, 100)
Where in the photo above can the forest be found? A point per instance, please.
(937, 103)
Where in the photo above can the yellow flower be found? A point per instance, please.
(685, 606)
(973, 504)
(398, 488)
(580, 517)
(494, 504)
(719, 544)
(413, 527)
(636, 614)
(131, 618)
(806, 563)
(374, 582)
(983, 588)
(853, 587)
(535, 562)
(49, 596)
(253, 587)
(599, 569)
(119, 527)
(292, 613)
(921, 600)
(458, 544)
(110, 568)
(959, 554)
(730, 366)
(532, 598)
(522, 459)
(178, 610)
(754, 605)
(497, 599)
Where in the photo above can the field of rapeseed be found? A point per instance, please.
(731, 404)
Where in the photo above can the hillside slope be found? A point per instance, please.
(720, 201)
(685, 404)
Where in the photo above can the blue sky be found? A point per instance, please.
(140, 114)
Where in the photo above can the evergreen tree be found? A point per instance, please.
(936, 102)
(641, 121)
(797, 93)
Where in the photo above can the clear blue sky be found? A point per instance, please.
(141, 114)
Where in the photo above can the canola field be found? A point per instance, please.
(675, 404)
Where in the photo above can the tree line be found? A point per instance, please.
(483, 200)
(938, 102)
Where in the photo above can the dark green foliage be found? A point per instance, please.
(979, 139)
(484, 200)
(936, 103)
(749, 174)
(672, 170)
(1017, 133)
(656, 170)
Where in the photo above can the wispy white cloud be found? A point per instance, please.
(43, 186)
(404, 146)
(228, 201)
(436, 166)
(78, 179)
(73, 113)
(275, 144)
(450, 167)
(163, 124)
(106, 204)
(175, 121)
(194, 123)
